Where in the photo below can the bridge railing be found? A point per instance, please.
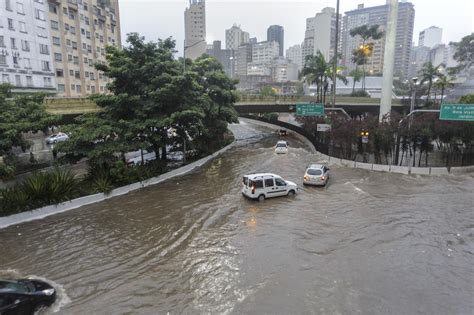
(278, 99)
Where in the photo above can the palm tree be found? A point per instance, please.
(313, 72)
(356, 76)
(361, 55)
(442, 84)
(428, 74)
(328, 75)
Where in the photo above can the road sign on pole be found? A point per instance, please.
(308, 109)
(463, 112)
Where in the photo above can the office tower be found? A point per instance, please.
(26, 57)
(379, 15)
(235, 37)
(195, 29)
(80, 31)
(295, 55)
(320, 33)
(430, 37)
(276, 33)
(225, 56)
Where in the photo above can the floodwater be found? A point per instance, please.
(368, 243)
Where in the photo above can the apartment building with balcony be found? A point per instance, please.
(25, 49)
(80, 30)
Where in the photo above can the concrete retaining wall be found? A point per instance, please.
(41, 213)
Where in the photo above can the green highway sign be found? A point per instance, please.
(308, 109)
(457, 112)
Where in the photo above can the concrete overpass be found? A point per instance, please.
(246, 104)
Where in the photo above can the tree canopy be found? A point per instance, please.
(151, 92)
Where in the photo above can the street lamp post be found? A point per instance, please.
(334, 66)
(413, 100)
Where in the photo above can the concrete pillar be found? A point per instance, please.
(389, 59)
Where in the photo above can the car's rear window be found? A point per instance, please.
(281, 145)
(313, 171)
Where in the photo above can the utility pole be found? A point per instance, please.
(334, 66)
(389, 59)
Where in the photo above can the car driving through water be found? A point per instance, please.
(25, 296)
(266, 185)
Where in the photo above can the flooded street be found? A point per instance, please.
(368, 243)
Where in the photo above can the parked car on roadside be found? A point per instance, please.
(57, 137)
(135, 157)
(25, 296)
(281, 147)
(266, 185)
(316, 174)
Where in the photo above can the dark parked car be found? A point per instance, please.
(24, 296)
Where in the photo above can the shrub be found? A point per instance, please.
(102, 183)
(360, 93)
(13, 200)
(6, 171)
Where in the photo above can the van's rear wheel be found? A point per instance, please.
(261, 198)
(291, 193)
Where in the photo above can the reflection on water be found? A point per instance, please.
(367, 243)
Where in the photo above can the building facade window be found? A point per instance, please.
(3, 60)
(56, 41)
(13, 43)
(61, 88)
(76, 60)
(39, 14)
(15, 62)
(29, 81)
(17, 80)
(10, 25)
(77, 74)
(2, 41)
(59, 73)
(45, 65)
(78, 88)
(25, 45)
(53, 8)
(5, 78)
(71, 73)
(44, 49)
(55, 25)
(47, 82)
(22, 27)
(27, 63)
(19, 8)
(8, 5)
(58, 57)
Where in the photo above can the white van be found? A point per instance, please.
(266, 185)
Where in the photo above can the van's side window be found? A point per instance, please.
(259, 184)
(269, 182)
(280, 182)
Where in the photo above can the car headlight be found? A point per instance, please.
(48, 292)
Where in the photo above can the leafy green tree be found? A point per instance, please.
(20, 115)
(267, 90)
(361, 55)
(467, 99)
(464, 53)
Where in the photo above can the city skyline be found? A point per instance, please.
(253, 17)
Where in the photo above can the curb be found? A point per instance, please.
(46, 211)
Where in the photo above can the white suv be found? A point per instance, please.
(316, 174)
(267, 185)
(281, 147)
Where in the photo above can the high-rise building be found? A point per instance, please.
(284, 70)
(265, 52)
(26, 57)
(294, 54)
(276, 33)
(234, 37)
(378, 16)
(225, 56)
(430, 37)
(243, 56)
(80, 31)
(195, 29)
(320, 33)
(419, 55)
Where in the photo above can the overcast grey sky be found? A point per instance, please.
(163, 18)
